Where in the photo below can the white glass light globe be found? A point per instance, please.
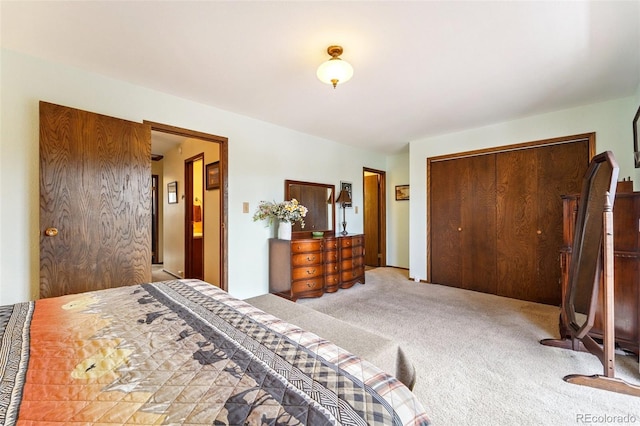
(335, 71)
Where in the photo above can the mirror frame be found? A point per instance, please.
(287, 196)
(593, 203)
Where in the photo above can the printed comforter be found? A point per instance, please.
(182, 352)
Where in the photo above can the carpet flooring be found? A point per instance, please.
(477, 355)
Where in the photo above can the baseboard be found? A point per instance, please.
(402, 268)
(172, 274)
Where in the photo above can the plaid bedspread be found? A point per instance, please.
(182, 352)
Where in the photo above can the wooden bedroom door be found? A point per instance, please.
(95, 201)
(463, 221)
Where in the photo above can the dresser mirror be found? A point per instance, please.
(319, 198)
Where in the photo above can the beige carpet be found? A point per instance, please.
(477, 356)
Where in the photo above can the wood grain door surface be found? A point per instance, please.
(530, 185)
(95, 190)
(463, 222)
(496, 219)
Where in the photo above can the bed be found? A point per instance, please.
(183, 352)
(384, 353)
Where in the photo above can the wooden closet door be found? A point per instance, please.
(530, 183)
(463, 223)
(95, 191)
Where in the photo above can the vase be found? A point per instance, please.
(284, 230)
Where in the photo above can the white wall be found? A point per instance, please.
(610, 120)
(397, 211)
(261, 157)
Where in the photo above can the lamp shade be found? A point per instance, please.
(335, 71)
(344, 197)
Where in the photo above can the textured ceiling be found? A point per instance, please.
(421, 68)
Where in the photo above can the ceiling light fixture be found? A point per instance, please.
(335, 70)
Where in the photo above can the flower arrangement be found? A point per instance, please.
(286, 211)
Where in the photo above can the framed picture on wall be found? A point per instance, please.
(402, 192)
(213, 175)
(348, 187)
(172, 192)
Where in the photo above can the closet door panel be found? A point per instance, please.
(516, 236)
(463, 223)
(560, 172)
(446, 179)
(478, 213)
(529, 208)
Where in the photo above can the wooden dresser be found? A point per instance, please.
(309, 267)
(626, 245)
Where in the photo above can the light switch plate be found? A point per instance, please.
(245, 207)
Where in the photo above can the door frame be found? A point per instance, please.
(224, 155)
(591, 137)
(382, 211)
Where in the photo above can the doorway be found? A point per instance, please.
(375, 230)
(181, 255)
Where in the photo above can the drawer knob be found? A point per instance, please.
(311, 271)
(311, 258)
(309, 284)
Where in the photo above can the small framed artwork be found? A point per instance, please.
(213, 175)
(172, 192)
(348, 187)
(402, 192)
(636, 150)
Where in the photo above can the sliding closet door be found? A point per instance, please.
(463, 223)
(95, 201)
(495, 218)
(530, 183)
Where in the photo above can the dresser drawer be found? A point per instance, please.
(346, 264)
(332, 280)
(351, 252)
(330, 244)
(305, 259)
(331, 268)
(303, 246)
(357, 241)
(307, 285)
(350, 274)
(331, 256)
(308, 272)
(331, 283)
(346, 242)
